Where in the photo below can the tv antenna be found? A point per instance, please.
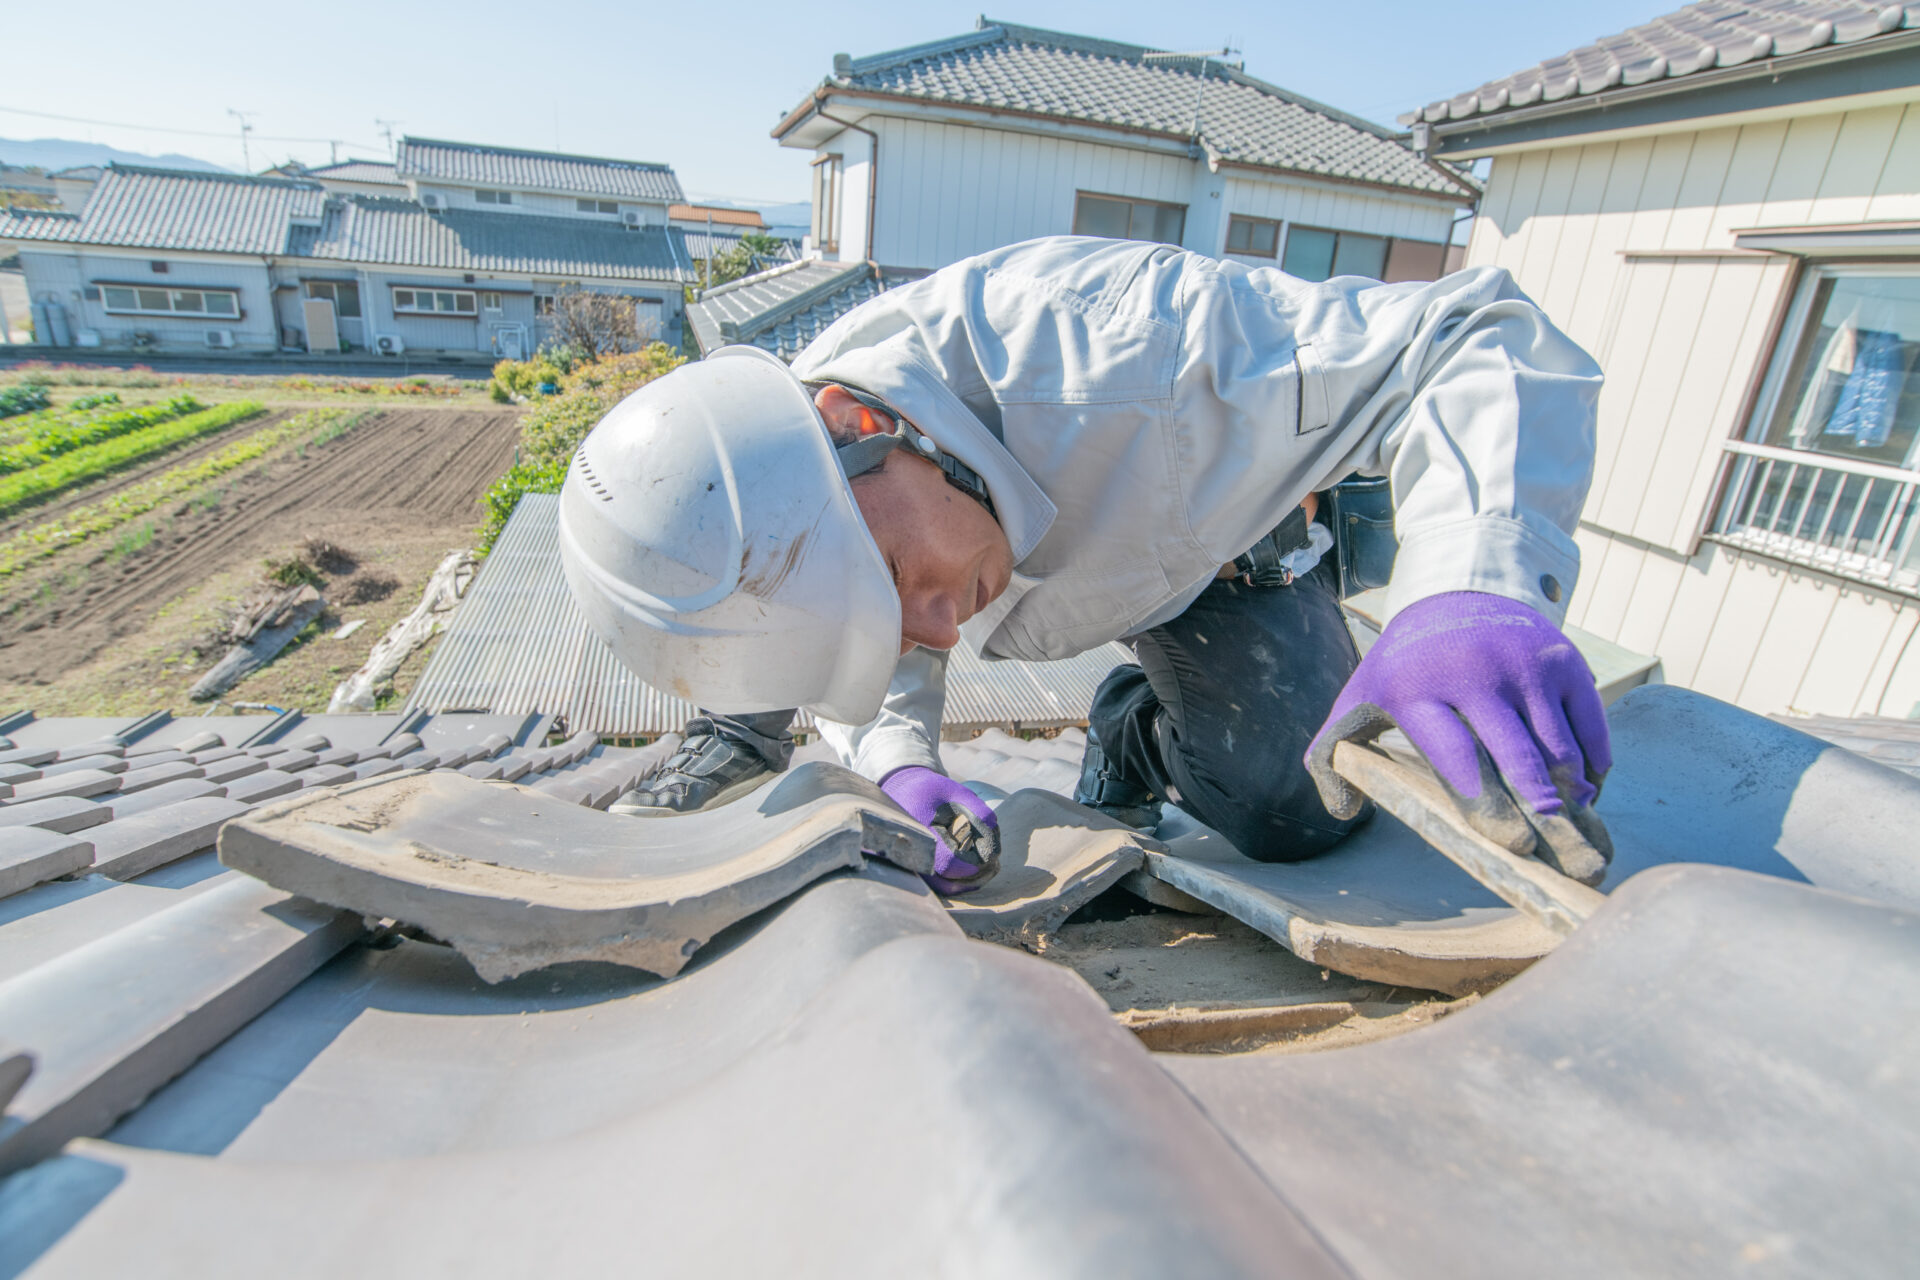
(246, 127)
(386, 131)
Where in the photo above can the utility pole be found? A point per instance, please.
(386, 131)
(246, 127)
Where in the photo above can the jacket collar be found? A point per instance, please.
(897, 375)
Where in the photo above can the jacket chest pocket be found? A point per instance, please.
(1312, 411)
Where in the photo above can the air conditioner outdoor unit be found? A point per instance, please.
(633, 218)
(389, 344)
(431, 201)
(220, 338)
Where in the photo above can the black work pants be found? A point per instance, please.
(1218, 713)
(767, 734)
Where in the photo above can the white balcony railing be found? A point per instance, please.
(1853, 519)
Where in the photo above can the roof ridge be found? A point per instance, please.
(485, 149)
(761, 277)
(213, 175)
(931, 49)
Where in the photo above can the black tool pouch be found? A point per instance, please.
(1259, 565)
(1361, 514)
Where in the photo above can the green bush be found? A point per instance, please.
(37, 483)
(523, 378)
(24, 398)
(98, 400)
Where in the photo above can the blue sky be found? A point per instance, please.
(694, 85)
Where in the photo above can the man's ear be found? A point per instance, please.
(840, 411)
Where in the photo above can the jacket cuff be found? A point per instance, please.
(884, 750)
(1498, 555)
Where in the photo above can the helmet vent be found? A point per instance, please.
(593, 481)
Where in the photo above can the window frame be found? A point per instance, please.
(471, 312)
(825, 195)
(1132, 203)
(543, 304)
(596, 206)
(332, 294)
(138, 308)
(491, 195)
(1251, 220)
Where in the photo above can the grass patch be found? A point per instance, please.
(58, 434)
(293, 572)
(50, 537)
(42, 482)
(132, 541)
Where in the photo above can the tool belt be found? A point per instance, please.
(1261, 565)
(1360, 510)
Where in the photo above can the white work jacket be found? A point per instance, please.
(1142, 415)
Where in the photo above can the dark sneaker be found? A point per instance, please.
(1103, 790)
(705, 773)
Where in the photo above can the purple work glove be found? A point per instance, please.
(966, 832)
(1503, 707)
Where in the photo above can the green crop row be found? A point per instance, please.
(66, 433)
(26, 487)
(78, 525)
(23, 398)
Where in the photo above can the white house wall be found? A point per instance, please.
(1335, 207)
(68, 272)
(1628, 246)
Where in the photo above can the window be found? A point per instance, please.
(344, 295)
(1829, 475)
(1317, 254)
(1254, 237)
(597, 206)
(542, 304)
(484, 196)
(448, 302)
(1121, 218)
(126, 300)
(490, 302)
(158, 268)
(826, 204)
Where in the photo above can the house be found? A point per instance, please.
(710, 230)
(454, 249)
(1723, 206)
(784, 308)
(923, 156)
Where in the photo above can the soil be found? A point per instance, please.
(107, 629)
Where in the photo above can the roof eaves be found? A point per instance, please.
(653, 166)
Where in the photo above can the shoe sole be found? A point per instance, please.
(726, 795)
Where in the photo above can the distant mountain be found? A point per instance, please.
(62, 153)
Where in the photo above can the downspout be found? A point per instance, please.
(873, 173)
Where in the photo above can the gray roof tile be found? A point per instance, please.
(1698, 38)
(221, 213)
(1240, 120)
(462, 162)
(358, 171)
(783, 308)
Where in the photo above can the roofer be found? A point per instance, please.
(1071, 441)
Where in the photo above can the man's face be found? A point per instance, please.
(949, 558)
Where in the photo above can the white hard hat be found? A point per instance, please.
(711, 538)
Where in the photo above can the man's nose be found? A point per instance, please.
(930, 621)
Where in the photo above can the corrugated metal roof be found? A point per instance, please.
(541, 170)
(784, 308)
(1232, 115)
(518, 644)
(376, 229)
(1698, 38)
(176, 209)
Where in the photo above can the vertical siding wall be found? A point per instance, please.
(948, 191)
(67, 273)
(1617, 241)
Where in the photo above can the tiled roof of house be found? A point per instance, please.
(702, 243)
(1239, 119)
(376, 229)
(142, 208)
(372, 171)
(1699, 38)
(463, 162)
(784, 308)
(209, 1071)
(221, 213)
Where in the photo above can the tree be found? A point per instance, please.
(597, 324)
(753, 252)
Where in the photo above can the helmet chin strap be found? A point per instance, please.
(870, 449)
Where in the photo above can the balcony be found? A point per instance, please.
(1852, 519)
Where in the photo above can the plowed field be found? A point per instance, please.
(400, 488)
